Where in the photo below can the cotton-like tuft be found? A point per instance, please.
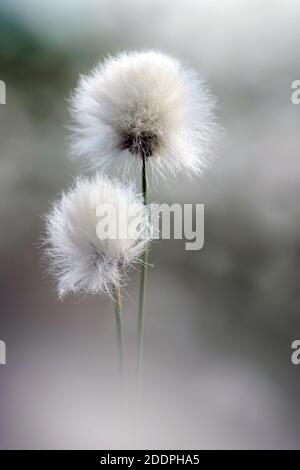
(143, 105)
(86, 257)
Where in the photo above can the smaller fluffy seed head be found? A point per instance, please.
(83, 257)
(143, 105)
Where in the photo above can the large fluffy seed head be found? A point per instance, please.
(143, 105)
(88, 257)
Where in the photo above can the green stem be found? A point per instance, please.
(141, 322)
(119, 322)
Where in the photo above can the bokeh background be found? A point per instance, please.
(220, 322)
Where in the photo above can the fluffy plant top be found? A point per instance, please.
(143, 105)
(94, 232)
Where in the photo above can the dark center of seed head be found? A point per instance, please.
(143, 144)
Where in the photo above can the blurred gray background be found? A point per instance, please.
(220, 322)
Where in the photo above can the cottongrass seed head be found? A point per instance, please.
(86, 257)
(143, 104)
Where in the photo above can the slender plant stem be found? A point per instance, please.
(119, 322)
(141, 322)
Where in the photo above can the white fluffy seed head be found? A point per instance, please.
(86, 257)
(143, 105)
